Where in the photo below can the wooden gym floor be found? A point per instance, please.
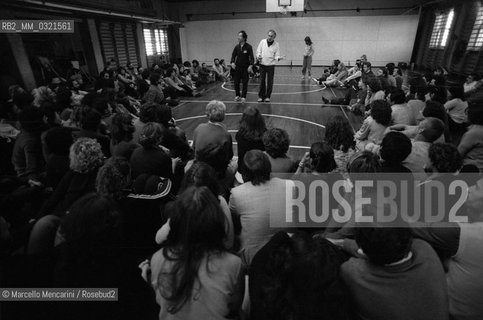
(296, 106)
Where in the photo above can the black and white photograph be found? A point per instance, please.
(241, 159)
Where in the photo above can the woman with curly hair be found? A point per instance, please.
(339, 135)
(277, 142)
(114, 178)
(193, 275)
(298, 278)
(249, 136)
(85, 159)
(122, 130)
(374, 126)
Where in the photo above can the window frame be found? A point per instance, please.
(156, 41)
(441, 29)
(475, 42)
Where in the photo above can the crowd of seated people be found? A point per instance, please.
(101, 188)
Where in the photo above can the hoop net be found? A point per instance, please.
(283, 10)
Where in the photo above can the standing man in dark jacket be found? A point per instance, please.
(242, 61)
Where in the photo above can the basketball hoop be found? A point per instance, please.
(283, 5)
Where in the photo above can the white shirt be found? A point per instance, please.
(269, 55)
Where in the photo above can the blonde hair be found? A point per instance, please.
(215, 111)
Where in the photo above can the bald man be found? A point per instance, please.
(268, 53)
(430, 129)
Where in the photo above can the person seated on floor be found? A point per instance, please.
(122, 129)
(57, 142)
(393, 275)
(195, 71)
(437, 93)
(179, 88)
(251, 204)
(86, 158)
(27, 157)
(218, 69)
(459, 245)
(340, 136)
(301, 274)
(417, 104)
(432, 109)
(250, 134)
(382, 75)
(457, 110)
(210, 283)
(429, 130)
(471, 144)
(390, 74)
(443, 158)
(471, 83)
(353, 75)
(125, 77)
(358, 105)
(201, 174)
(318, 161)
(374, 91)
(90, 127)
(150, 158)
(395, 147)
(336, 78)
(401, 114)
(374, 126)
(155, 92)
(367, 71)
(327, 72)
(213, 132)
(277, 142)
(206, 75)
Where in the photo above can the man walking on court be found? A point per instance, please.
(268, 53)
(241, 62)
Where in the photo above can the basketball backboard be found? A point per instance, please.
(286, 5)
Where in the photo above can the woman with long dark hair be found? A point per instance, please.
(250, 133)
(193, 275)
(122, 130)
(340, 136)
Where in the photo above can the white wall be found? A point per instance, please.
(382, 38)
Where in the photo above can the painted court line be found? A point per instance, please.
(285, 84)
(273, 103)
(267, 115)
(345, 114)
(291, 146)
(274, 93)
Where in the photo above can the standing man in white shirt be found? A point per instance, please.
(268, 53)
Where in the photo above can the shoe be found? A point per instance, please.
(237, 98)
(326, 101)
(267, 100)
(243, 100)
(303, 77)
(260, 100)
